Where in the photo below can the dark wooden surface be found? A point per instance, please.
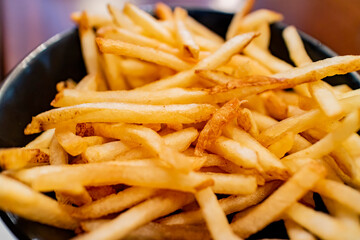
(26, 24)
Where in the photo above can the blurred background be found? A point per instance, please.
(25, 24)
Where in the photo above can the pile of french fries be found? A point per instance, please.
(178, 133)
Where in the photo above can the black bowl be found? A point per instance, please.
(30, 87)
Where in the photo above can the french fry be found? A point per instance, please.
(112, 203)
(150, 25)
(186, 42)
(17, 158)
(275, 106)
(144, 53)
(114, 77)
(283, 145)
(149, 139)
(119, 112)
(223, 54)
(139, 215)
(255, 220)
(319, 223)
(235, 152)
(270, 164)
(264, 57)
(236, 20)
(163, 11)
(105, 152)
(232, 183)
(247, 122)
(59, 177)
(23, 201)
(213, 128)
(229, 205)
(96, 21)
(42, 141)
(349, 125)
(302, 122)
(135, 38)
(235, 88)
(214, 216)
(76, 145)
(295, 231)
(341, 193)
(122, 20)
(258, 17)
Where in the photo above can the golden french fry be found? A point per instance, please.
(27, 203)
(163, 11)
(283, 145)
(135, 38)
(139, 215)
(112, 203)
(320, 223)
(17, 158)
(271, 165)
(341, 193)
(213, 128)
(149, 24)
(247, 122)
(119, 112)
(232, 183)
(214, 217)
(234, 203)
(295, 231)
(237, 18)
(327, 144)
(144, 53)
(222, 55)
(186, 42)
(65, 176)
(235, 152)
(122, 20)
(276, 204)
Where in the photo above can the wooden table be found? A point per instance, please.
(26, 24)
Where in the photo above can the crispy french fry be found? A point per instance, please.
(270, 164)
(327, 144)
(216, 123)
(63, 177)
(135, 38)
(341, 193)
(163, 11)
(232, 183)
(237, 18)
(150, 25)
(23, 201)
(223, 54)
(112, 203)
(319, 223)
(247, 122)
(295, 231)
(186, 42)
(234, 152)
(17, 158)
(122, 20)
(229, 205)
(277, 203)
(139, 215)
(214, 216)
(119, 112)
(144, 53)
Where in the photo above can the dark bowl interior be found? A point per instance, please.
(30, 87)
